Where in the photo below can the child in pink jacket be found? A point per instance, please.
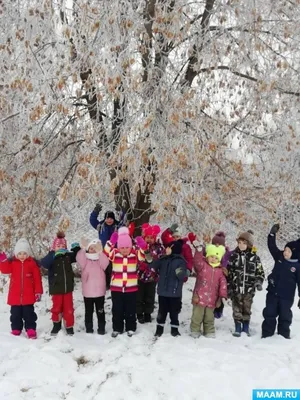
(210, 288)
(93, 263)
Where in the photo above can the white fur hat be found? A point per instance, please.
(22, 245)
(93, 243)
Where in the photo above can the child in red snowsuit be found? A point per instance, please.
(24, 290)
(58, 262)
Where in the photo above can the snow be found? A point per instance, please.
(91, 367)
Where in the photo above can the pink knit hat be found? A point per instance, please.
(124, 239)
(60, 239)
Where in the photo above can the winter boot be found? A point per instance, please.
(238, 329)
(56, 328)
(31, 333)
(159, 330)
(195, 335)
(70, 331)
(147, 318)
(141, 318)
(16, 332)
(175, 332)
(130, 333)
(114, 334)
(246, 327)
(101, 329)
(89, 328)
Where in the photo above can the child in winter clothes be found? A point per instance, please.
(24, 290)
(105, 227)
(58, 262)
(147, 279)
(210, 288)
(124, 283)
(245, 275)
(93, 264)
(172, 269)
(282, 283)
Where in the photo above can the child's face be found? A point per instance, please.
(125, 251)
(150, 239)
(109, 221)
(287, 254)
(22, 256)
(242, 244)
(92, 250)
(213, 260)
(59, 246)
(176, 237)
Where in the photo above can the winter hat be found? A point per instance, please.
(59, 240)
(166, 237)
(22, 245)
(294, 247)
(109, 214)
(94, 242)
(219, 238)
(212, 250)
(248, 236)
(177, 232)
(124, 239)
(176, 246)
(150, 230)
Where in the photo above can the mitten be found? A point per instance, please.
(192, 237)
(74, 245)
(299, 303)
(98, 208)
(179, 271)
(258, 286)
(274, 229)
(114, 238)
(38, 297)
(84, 243)
(173, 227)
(140, 242)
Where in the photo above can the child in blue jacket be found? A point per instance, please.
(282, 283)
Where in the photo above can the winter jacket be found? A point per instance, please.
(2, 257)
(145, 272)
(210, 282)
(105, 231)
(25, 281)
(244, 272)
(60, 271)
(124, 276)
(285, 275)
(92, 274)
(169, 283)
(226, 257)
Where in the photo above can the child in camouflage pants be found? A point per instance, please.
(245, 275)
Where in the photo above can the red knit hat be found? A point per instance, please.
(150, 230)
(59, 240)
(219, 238)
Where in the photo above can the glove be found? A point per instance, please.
(74, 245)
(98, 208)
(38, 297)
(299, 303)
(140, 242)
(192, 237)
(274, 229)
(179, 271)
(114, 238)
(258, 286)
(173, 227)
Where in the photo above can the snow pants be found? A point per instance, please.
(62, 308)
(203, 315)
(168, 305)
(241, 307)
(108, 273)
(123, 308)
(145, 298)
(91, 304)
(23, 316)
(277, 307)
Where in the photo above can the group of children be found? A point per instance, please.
(143, 264)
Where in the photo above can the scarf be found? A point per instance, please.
(61, 252)
(92, 256)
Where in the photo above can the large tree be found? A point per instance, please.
(185, 110)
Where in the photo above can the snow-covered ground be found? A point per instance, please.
(93, 367)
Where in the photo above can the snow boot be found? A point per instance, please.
(16, 332)
(195, 335)
(141, 318)
(89, 328)
(31, 333)
(147, 318)
(70, 331)
(246, 327)
(130, 333)
(175, 332)
(101, 329)
(56, 328)
(238, 329)
(114, 334)
(159, 331)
